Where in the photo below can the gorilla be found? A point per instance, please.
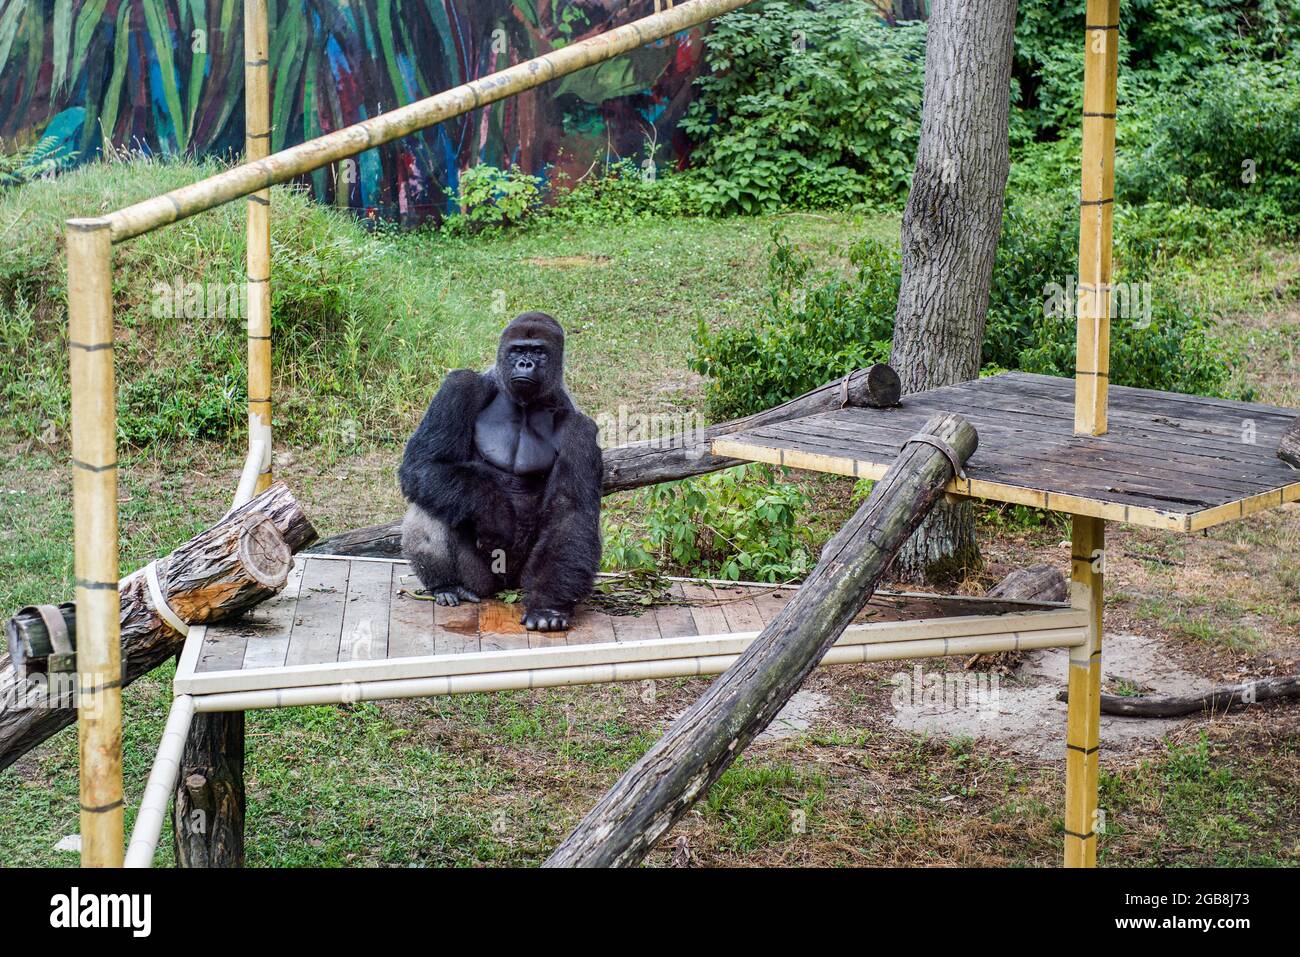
(503, 480)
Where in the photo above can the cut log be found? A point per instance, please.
(627, 822)
(208, 813)
(1288, 450)
(240, 561)
(1042, 582)
(1221, 699)
(667, 459)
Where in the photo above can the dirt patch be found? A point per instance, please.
(1022, 712)
(567, 262)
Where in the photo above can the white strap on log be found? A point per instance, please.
(159, 601)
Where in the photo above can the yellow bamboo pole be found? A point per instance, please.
(94, 502)
(1083, 723)
(1097, 203)
(253, 176)
(257, 146)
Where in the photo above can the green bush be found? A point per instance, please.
(819, 326)
(734, 524)
(806, 104)
(625, 191)
(492, 197)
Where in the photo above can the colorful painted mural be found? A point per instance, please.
(166, 77)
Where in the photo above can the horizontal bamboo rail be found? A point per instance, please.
(250, 177)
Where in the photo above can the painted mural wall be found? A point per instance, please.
(166, 77)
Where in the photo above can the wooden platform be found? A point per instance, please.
(345, 620)
(1169, 461)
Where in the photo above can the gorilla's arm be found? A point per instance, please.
(562, 566)
(440, 472)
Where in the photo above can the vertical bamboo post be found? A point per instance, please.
(1083, 724)
(1096, 209)
(257, 145)
(94, 503)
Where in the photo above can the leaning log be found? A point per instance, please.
(1218, 700)
(670, 458)
(1042, 582)
(627, 822)
(1288, 450)
(242, 560)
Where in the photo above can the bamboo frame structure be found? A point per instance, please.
(1096, 212)
(257, 146)
(94, 503)
(1083, 722)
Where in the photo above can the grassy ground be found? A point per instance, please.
(500, 778)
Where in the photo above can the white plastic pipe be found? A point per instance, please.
(351, 692)
(161, 784)
(253, 465)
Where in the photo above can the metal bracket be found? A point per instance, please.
(949, 452)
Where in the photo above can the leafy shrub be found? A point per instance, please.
(1230, 139)
(43, 158)
(820, 326)
(625, 191)
(488, 196)
(738, 523)
(808, 105)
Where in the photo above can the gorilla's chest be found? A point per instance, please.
(515, 439)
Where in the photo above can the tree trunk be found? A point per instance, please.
(950, 236)
(671, 458)
(208, 813)
(238, 562)
(622, 828)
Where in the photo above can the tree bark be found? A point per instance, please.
(625, 824)
(669, 459)
(949, 238)
(1288, 450)
(238, 562)
(208, 813)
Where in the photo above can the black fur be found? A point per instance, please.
(503, 478)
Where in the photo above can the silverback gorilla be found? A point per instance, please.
(503, 478)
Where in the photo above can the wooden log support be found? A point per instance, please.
(1042, 582)
(1288, 449)
(208, 813)
(1096, 211)
(1083, 722)
(671, 458)
(627, 822)
(240, 561)
(1218, 700)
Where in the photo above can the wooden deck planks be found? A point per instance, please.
(1168, 461)
(410, 620)
(365, 613)
(675, 621)
(268, 644)
(318, 616)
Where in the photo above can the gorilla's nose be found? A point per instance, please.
(524, 367)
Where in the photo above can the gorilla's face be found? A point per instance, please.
(530, 358)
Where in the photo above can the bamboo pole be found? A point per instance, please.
(257, 146)
(1096, 209)
(253, 176)
(1083, 722)
(94, 498)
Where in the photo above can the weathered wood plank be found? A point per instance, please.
(705, 610)
(499, 627)
(268, 645)
(675, 621)
(365, 613)
(455, 629)
(411, 620)
(318, 617)
(590, 627)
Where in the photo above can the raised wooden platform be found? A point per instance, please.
(342, 620)
(1169, 461)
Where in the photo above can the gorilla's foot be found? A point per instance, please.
(453, 595)
(545, 619)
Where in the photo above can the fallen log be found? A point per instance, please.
(240, 561)
(1288, 450)
(1221, 699)
(640, 808)
(1041, 582)
(669, 458)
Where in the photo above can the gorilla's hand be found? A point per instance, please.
(544, 619)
